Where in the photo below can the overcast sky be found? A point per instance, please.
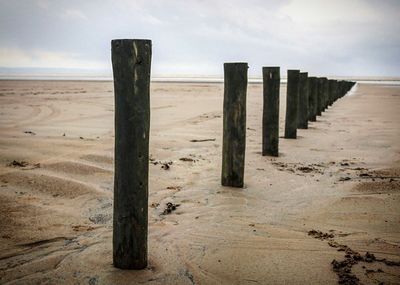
(324, 37)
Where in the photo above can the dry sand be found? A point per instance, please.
(341, 177)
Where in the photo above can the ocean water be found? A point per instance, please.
(177, 79)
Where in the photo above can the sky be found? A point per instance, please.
(195, 37)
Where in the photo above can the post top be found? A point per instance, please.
(119, 41)
(236, 63)
(271, 67)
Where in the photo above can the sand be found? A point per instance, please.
(340, 177)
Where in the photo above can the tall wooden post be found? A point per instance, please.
(292, 100)
(313, 98)
(270, 131)
(131, 61)
(302, 119)
(234, 132)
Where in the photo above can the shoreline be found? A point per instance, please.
(194, 81)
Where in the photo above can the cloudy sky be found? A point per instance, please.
(195, 37)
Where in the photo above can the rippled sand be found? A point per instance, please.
(341, 177)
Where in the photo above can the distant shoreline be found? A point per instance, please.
(188, 80)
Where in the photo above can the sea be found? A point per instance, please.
(72, 75)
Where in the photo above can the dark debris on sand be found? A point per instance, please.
(23, 164)
(166, 165)
(344, 178)
(306, 169)
(170, 207)
(320, 235)
(187, 159)
(176, 188)
(343, 268)
(299, 168)
(203, 140)
(16, 163)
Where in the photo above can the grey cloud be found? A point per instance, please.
(196, 37)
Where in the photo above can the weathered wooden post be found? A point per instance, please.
(292, 100)
(322, 90)
(302, 119)
(340, 88)
(336, 89)
(131, 61)
(347, 84)
(331, 83)
(344, 87)
(320, 95)
(326, 94)
(270, 131)
(313, 97)
(234, 132)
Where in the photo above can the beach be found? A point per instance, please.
(334, 190)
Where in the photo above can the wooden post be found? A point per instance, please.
(302, 119)
(320, 95)
(234, 132)
(336, 89)
(326, 94)
(131, 61)
(343, 87)
(341, 91)
(292, 100)
(331, 83)
(270, 135)
(313, 97)
(340, 88)
(348, 86)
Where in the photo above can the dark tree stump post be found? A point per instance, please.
(313, 99)
(270, 131)
(292, 100)
(302, 122)
(234, 132)
(131, 60)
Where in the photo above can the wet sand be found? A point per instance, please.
(340, 177)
